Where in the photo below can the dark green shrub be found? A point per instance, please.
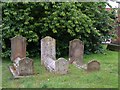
(62, 21)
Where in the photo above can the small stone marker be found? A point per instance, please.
(48, 57)
(18, 47)
(61, 66)
(93, 66)
(47, 49)
(76, 51)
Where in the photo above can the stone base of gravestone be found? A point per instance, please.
(93, 66)
(22, 67)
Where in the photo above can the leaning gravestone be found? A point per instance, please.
(18, 47)
(93, 66)
(22, 65)
(48, 57)
(76, 51)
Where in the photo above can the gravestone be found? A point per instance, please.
(47, 49)
(93, 66)
(48, 57)
(25, 66)
(61, 66)
(76, 51)
(18, 47)
(22, 65)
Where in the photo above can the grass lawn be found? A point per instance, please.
(107, 77)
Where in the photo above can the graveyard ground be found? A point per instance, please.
(107, 77)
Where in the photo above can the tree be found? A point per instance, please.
(62, 21)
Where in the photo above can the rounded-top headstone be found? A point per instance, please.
(93, 65)
(18, 47)
(76, 51)
(48, 49)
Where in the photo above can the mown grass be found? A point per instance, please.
(107, 77)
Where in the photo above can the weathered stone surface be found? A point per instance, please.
(22, 65)
(48, 57)
(76, 51)
(47, 49)
(18, 47)
(26, 66)
(93, 65)
(49, 63)
(61, 66)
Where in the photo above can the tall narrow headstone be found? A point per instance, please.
(76, 51)
(47, 49)
(18, 47)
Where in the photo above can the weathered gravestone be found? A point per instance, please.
(48, 57)
(18, 47)
(61, 66)
(76, 51)
(22, 65)
(93, 66)
(48, 49)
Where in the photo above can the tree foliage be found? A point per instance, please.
(62, 21)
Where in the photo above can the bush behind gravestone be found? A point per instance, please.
(62, 21)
